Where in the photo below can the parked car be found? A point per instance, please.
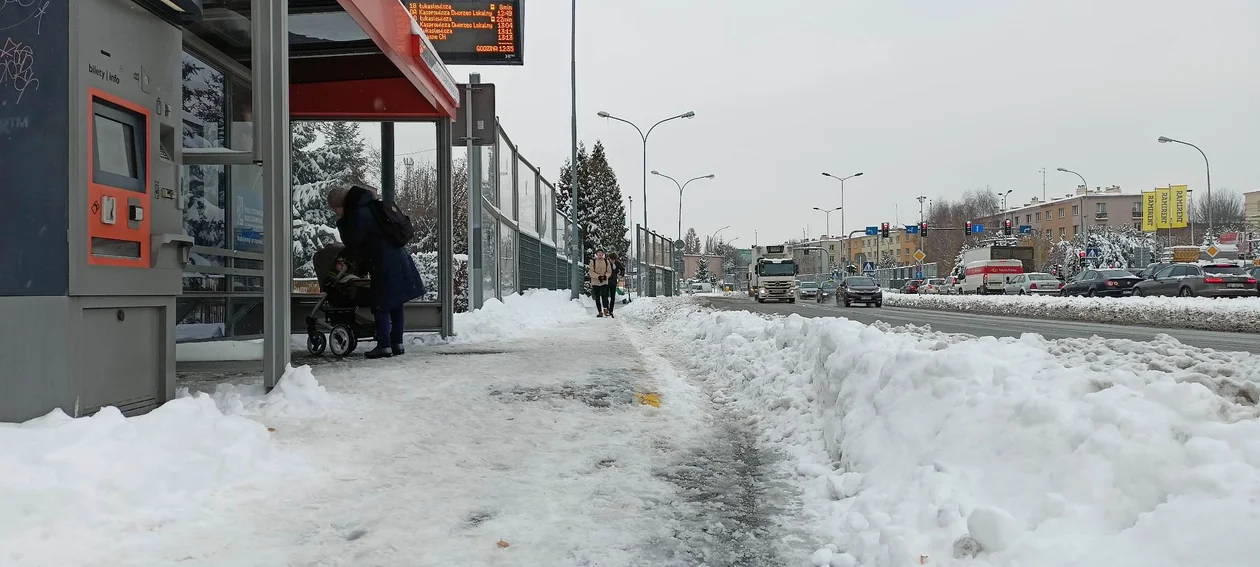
(1094, 283)
(860, 289)
(1033, 283)
(911, 286)
(953, 286)
(1208, 280)
(933, 286)
(826, 290)
(1149, 271)
(1254, 272)
(807, 290)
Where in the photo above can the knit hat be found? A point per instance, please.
(337, 197)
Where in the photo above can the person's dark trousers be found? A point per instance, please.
(610, 296)
(389, 328)
(598, 292)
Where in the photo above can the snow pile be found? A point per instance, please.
(297, 395)
(922, 448)
(519, 315)
(1239, 314)
(106, 481)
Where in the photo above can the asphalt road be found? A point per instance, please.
(991, 325)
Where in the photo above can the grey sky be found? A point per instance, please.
(926, 97)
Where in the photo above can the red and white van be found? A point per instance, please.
(990, 276)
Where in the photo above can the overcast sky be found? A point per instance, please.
(926, 97)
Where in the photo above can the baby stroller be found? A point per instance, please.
(343, 290)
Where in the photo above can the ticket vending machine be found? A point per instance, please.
(92, 244)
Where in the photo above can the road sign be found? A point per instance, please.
(919, 255)
(977, 228)
(1212, 251)
(1025, 229)
(1092, 253)
(872, 231)
(679, 246)
(868, 267)
(918, 275)
(912, 229)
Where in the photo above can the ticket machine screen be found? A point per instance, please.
(117, 139)
(118, 177)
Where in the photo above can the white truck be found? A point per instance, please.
(772, 274)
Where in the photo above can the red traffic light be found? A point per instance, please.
(1082, 254)
(1008, 223)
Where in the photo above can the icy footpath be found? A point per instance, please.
(1234, 315)
(920, 448)
(533, 439)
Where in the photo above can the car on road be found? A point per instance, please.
(1033, 283)
(1254, 272)
(1149, 271)
(1095, 283)
(1193, 280)
(953, 286)
(827, 290)
(860, 289)
(807, 290)
(933, 286)
(911, 286)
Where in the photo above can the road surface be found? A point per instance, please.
(991, 325)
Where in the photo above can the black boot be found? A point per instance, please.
(398, 350)
(381, 351)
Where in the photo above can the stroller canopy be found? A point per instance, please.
(326, 258)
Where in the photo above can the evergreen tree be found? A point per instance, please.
(691, 242)
(585, 212)
(347, 155)
(610, 210)
(702, 270)
(314, 226)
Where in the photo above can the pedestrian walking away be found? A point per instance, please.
(377, 234)
(618, 271)
(600, 271)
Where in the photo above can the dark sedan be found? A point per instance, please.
(826, 290)
(1191, 280)
(860, 289)
(1094, 283)
(911, 286)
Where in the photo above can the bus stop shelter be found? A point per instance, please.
(354, 60)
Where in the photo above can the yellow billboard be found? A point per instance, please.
(1179, 206)
(1148, 211)
(1163, 208)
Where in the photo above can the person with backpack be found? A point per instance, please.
(600, 271)
(619, 270)
(377, 233)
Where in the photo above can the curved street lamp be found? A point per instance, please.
(1084, 227)
(1208, 165)
(681, 187)
(846, 246)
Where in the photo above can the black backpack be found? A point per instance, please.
(395, 225)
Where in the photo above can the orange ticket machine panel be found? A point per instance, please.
(119, 182)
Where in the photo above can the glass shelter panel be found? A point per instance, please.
(507, 182)
(526, 196)
(507, 260)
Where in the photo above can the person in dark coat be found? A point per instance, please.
(395, 279)
(619, 271)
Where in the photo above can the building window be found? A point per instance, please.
(1101, 208)
(1039, 217)
(1076, 229)
(1062, 212)
(1076, 210)
(1062, 231)
(1027, 219)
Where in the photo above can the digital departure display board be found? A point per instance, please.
(472, 32)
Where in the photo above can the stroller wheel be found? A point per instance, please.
(316, 343)
(342, 340)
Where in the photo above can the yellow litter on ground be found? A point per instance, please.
(653, 400)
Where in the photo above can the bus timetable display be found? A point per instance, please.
(472, 32)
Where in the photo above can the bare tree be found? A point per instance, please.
(1227, 209)
(947, 220)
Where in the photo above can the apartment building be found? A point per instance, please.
(899, 246)
(1251, 208)
(1062, 218)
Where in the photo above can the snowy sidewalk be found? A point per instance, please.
(540, 447)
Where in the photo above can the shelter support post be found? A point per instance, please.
(270, 68)
(387, 162)
(446, 226)
(476, 295)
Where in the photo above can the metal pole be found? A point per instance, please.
(387, 162)
(575, 280)
(270, 57)
(446, 220)
(476, 261)
(1208, 165)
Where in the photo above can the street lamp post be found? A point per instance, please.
(1208, 165)
(1084, 227)
(575, 272)
(847, 247)
(713, 237)
(828, 212)
(644, 136)
(681, 187)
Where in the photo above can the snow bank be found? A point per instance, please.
(519, 316)
(106, 481)
(297, 394)
(917, 447)
(1238, 315)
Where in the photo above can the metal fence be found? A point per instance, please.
(524, 236)
(656, 263)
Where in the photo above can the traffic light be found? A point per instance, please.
(1006, 228)
(883, 230)
(922, 229)
(968, 227)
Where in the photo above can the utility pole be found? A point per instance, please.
(575, 275)
(1044, 197)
